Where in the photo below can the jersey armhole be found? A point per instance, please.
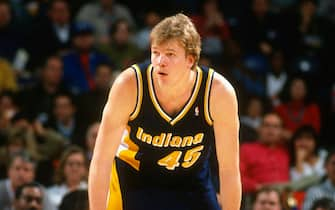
(208, 87)
(139, 97)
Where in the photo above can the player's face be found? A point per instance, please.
(170, 61)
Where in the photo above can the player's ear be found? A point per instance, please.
(190, 61)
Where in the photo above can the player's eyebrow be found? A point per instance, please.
(170, 50)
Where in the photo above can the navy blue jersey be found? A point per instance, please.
(163, 160)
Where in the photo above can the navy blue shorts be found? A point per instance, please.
(123, 196)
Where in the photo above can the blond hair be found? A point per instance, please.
(181, 28)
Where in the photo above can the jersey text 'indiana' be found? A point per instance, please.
(168, 139)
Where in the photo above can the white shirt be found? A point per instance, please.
(57, 192)
(275, 84)
(308, 170)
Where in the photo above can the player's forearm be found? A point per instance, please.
(230, 190)
(98, 185)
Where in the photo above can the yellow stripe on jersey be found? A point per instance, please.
(208, 117)
(192, 99)
(139, 93)
(127, 151)
(114, 200)
(153, 96)
(185, 109)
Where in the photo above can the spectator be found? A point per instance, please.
(21, 170)
(29, 197)
(10, 36)
(141, 38)
(271, 164)
(213, 29)
(71, 175)
(304, 37)
(8, 108)
(103, 14)
(15, 143)
(75, 200)
(104, 78)
(247, 81)
(327, 188)
(251, 119)
(267, 198)
(259, 32)
(42, 144)
(276, 78)
(324, 204)
(50, 35)
(37, 100)
(80, 63)
(298, 109)
(22, 128)
(307, 158)
(65, 121)
(120, 48)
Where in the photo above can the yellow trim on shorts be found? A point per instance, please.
(114, 201)
(139, 93)
(208, 117)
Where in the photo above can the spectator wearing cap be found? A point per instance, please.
(80, 63)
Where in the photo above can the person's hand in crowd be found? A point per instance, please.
(38, 128)
(266, 48)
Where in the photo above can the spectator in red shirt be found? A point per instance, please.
(266, 161)
(298, 110)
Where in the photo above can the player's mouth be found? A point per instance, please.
(162, 73)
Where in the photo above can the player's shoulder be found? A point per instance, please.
(126, 80)
(221, 86)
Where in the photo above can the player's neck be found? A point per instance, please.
(183, 85)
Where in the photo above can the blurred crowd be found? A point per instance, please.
(58, 59)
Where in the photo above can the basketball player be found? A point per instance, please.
(159, 126)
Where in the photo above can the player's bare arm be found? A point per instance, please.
(224, 112)
(121, 102)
